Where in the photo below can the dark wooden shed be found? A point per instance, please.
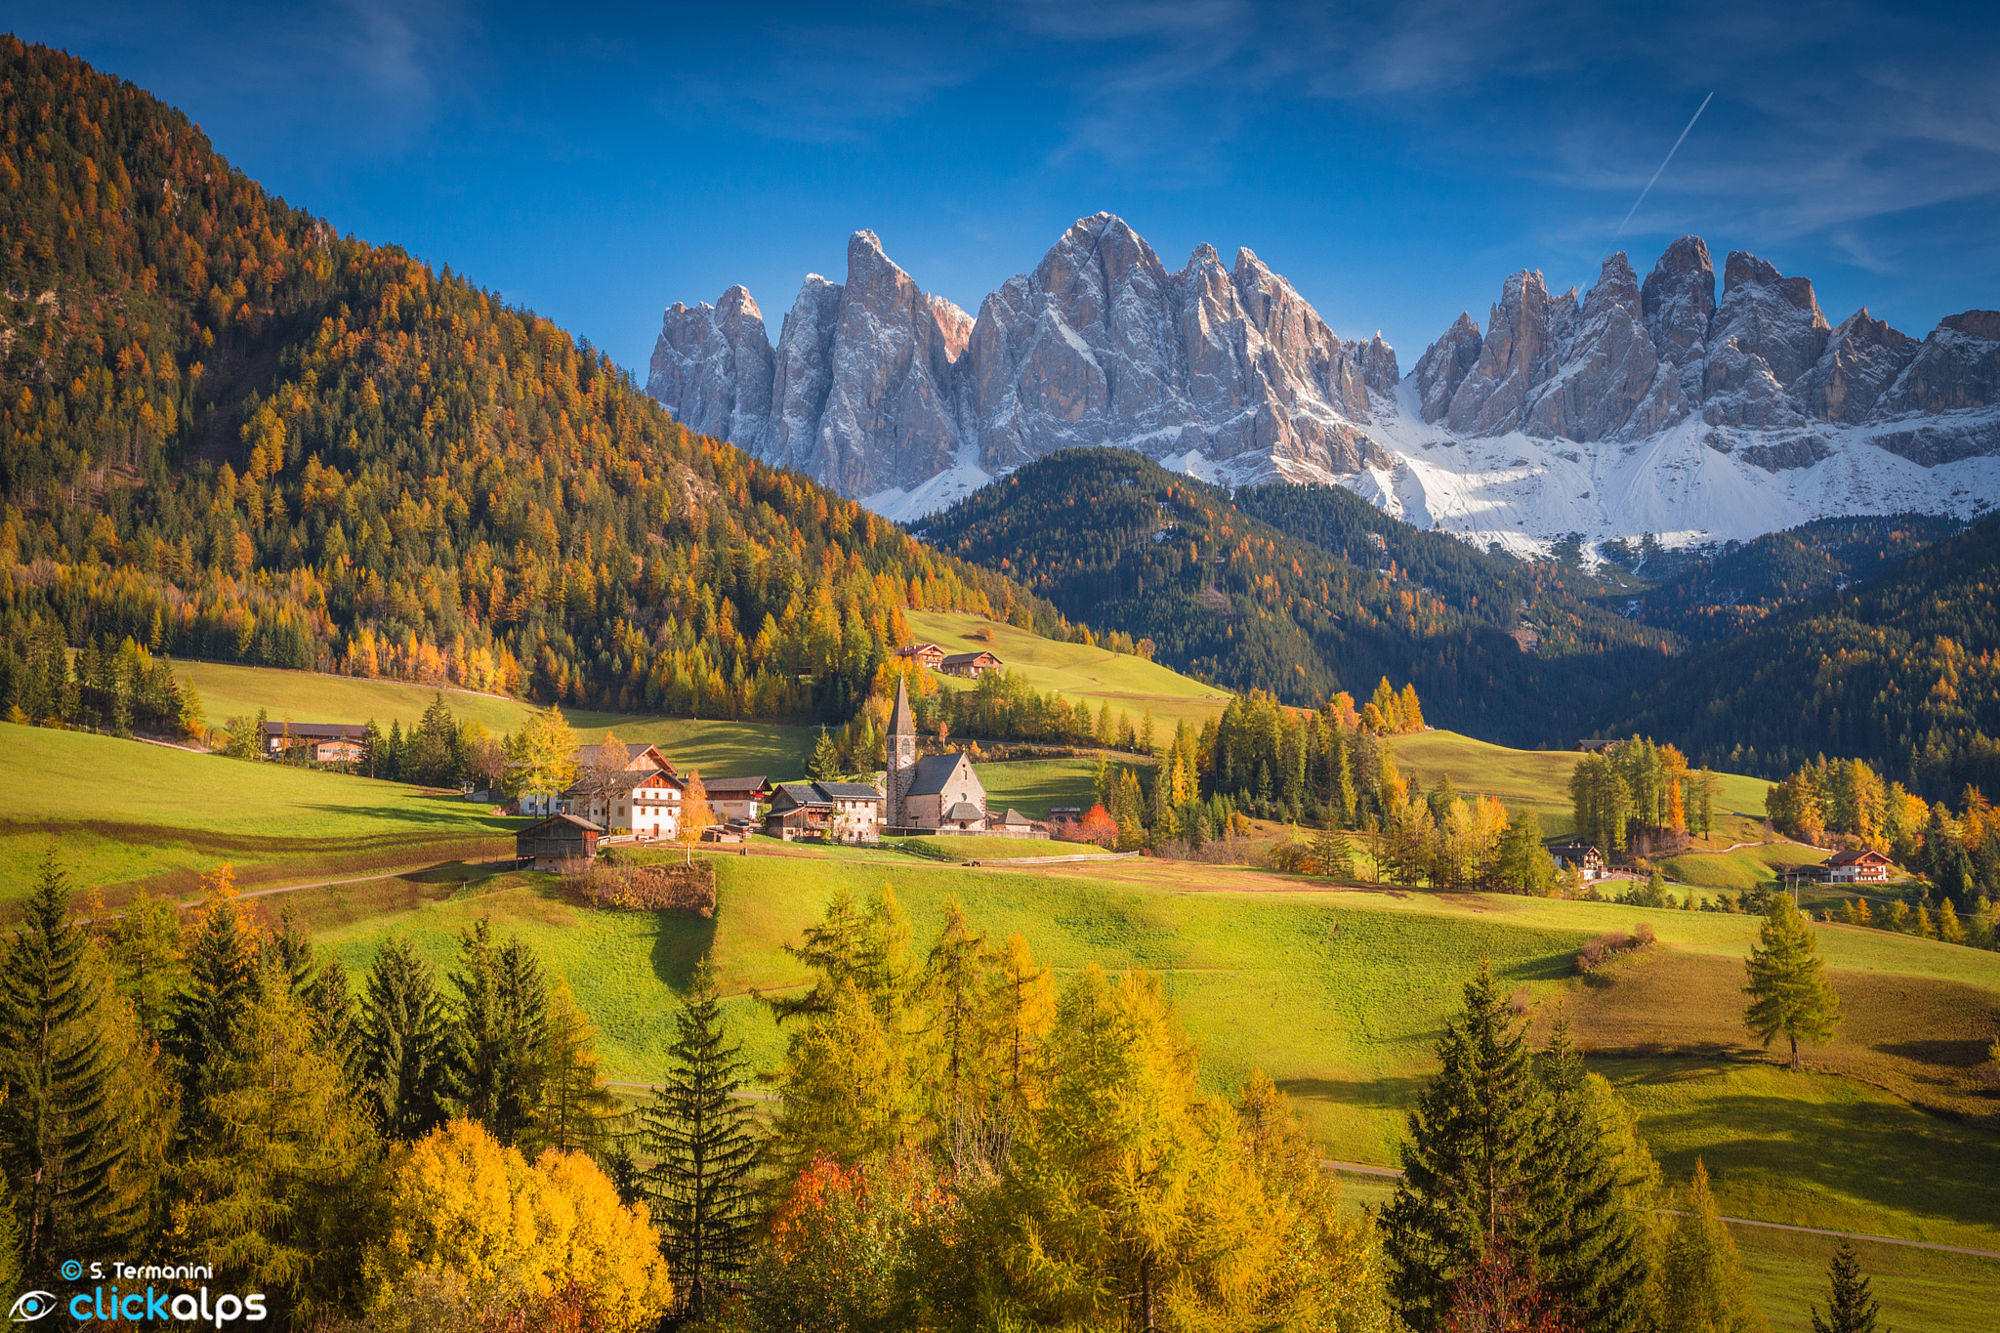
(556, 843)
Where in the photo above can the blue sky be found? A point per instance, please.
(1394, 161)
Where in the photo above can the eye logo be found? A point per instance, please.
(31, 1306)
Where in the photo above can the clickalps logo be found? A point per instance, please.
(115, 1296)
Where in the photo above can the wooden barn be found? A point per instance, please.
(557, 843)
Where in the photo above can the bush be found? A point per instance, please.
(1611, 946)
(669, 888)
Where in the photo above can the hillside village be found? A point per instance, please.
(482, 855)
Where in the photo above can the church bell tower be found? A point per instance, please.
(902, 756)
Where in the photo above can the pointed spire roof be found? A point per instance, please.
(901, 722)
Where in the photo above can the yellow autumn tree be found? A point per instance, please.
(696, 815)
(469, 1215)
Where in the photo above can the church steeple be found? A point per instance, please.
(902, 756)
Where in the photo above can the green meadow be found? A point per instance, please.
(1538, 780)
(1093, 675)
(779, 750)
(120, 813)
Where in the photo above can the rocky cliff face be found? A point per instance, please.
(899, 397)
(876, 386)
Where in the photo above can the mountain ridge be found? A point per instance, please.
(1636, 408)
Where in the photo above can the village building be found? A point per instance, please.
(969, 664)
(737, 798)
(1863, 867)
(1014, 824)
(324, 742)
(834, 811)
(559, 842)
(929, 656)
(636, 792)
(1582, 857)
(938, 793)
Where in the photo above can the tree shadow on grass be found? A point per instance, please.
(680, 941)
(1880, 1154)
(1392, 1092)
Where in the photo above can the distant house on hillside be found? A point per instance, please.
(1582, 857)
(557, 843)
(1863, 867)
(969, 664)
(1596, 744)
(325, 742)
(737, 798)
(926, 655)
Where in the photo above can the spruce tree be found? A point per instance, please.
(1594, 1247)
(502, 1014)
(705, 1140)
(224, 980)
(1470, 1164)
(405, 1044)
(1853, 1308)
(825, 761)
(1333, 853)
(1788, 989)
(58, 1143)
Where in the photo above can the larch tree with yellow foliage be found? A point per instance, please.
(464, 1209)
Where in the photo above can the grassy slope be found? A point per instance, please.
(1744, 868)
(1339, 995)
(1538, 780)
(120, 811)
(780, 750)
(1092, 675)
(967, 847)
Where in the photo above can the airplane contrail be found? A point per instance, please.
(1663, 162)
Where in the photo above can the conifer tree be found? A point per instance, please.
(1333, 852)
(1595, 1258)
(704, 1137)
(1852, 1309)
(574, 1104)
(954, 985)
(1701, 1287)
(825, 761)
(405, 1044)
(502, 1015)
(1788, 989)
(329, 1003)
(224, 979)
(58, 1144)
(1021, 1006)
(1470, 1164)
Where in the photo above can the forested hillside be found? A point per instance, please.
(230, 433)
(1327, 594)
(1709, 594)
(1903, 670)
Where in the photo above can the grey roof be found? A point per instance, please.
(317, 731)
(957, 659)
(714, 786)
(964, 811)
(1013, 816)
(931, 773)
(849, 791)
(800, 793)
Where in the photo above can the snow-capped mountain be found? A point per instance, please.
(1637, 408)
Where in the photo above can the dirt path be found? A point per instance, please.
(1357, 1168)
